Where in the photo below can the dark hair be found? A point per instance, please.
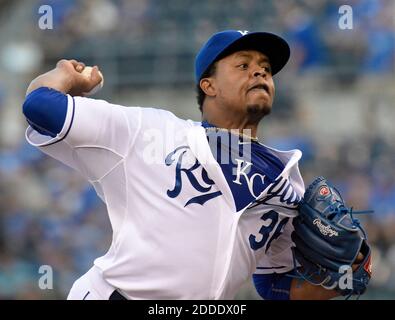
(200, 93)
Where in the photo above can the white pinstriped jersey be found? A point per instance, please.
(179, 230)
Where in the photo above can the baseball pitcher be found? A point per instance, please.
(198, 208)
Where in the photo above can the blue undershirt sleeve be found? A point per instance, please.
(274, 286)
(45, 110)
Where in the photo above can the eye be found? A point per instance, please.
(243, 66)
(268, 69)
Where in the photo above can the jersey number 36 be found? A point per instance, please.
(266, 230)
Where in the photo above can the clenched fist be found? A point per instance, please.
(67, 77)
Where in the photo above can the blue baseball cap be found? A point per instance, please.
(226, 42)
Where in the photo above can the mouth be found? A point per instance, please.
(260, 87)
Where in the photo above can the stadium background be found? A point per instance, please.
(335, 101)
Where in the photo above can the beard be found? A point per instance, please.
(256, 112)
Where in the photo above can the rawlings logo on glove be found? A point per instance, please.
(325, 230)
(328, 239)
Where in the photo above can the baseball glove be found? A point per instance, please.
(328, 241)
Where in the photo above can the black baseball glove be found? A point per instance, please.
(329, 240)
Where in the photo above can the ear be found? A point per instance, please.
(208, 86)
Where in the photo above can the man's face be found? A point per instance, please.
(243, 83)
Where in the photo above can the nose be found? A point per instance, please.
(260, 72)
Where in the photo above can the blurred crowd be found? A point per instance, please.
(162, 37)
(51, 216)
